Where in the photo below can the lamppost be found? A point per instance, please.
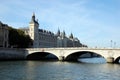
(114, 44)
(111, 43)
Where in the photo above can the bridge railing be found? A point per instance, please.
(72, 48)
(60, 48)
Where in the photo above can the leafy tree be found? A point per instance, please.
(18, 39)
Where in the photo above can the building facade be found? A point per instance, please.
(4, 33)
(64, 41)
(47, 39)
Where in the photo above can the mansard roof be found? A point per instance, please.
(46, 32)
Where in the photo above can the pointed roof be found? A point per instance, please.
(64, 33)
(33, 19)
(58, 33)
(71, 36)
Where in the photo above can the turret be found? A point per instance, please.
(63, 35)
(58, 33)
(71, 36)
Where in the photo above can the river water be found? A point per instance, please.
(56, 70)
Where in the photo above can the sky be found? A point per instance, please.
(94, 22)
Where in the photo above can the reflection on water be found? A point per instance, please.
(56, 70)
(92, 60)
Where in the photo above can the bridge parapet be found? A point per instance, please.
(81, 48)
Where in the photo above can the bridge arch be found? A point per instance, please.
(117, 60)
(75, 55)
(41, 56)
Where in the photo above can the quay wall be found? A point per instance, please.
(12, 54)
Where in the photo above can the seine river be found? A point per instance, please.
(93, 69)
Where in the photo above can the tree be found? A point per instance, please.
(18, 39)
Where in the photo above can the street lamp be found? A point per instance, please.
(114, 44)
(111, 43)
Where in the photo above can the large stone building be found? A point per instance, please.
(46, 39)
(4, 32)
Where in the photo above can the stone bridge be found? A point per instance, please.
(69, 54)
